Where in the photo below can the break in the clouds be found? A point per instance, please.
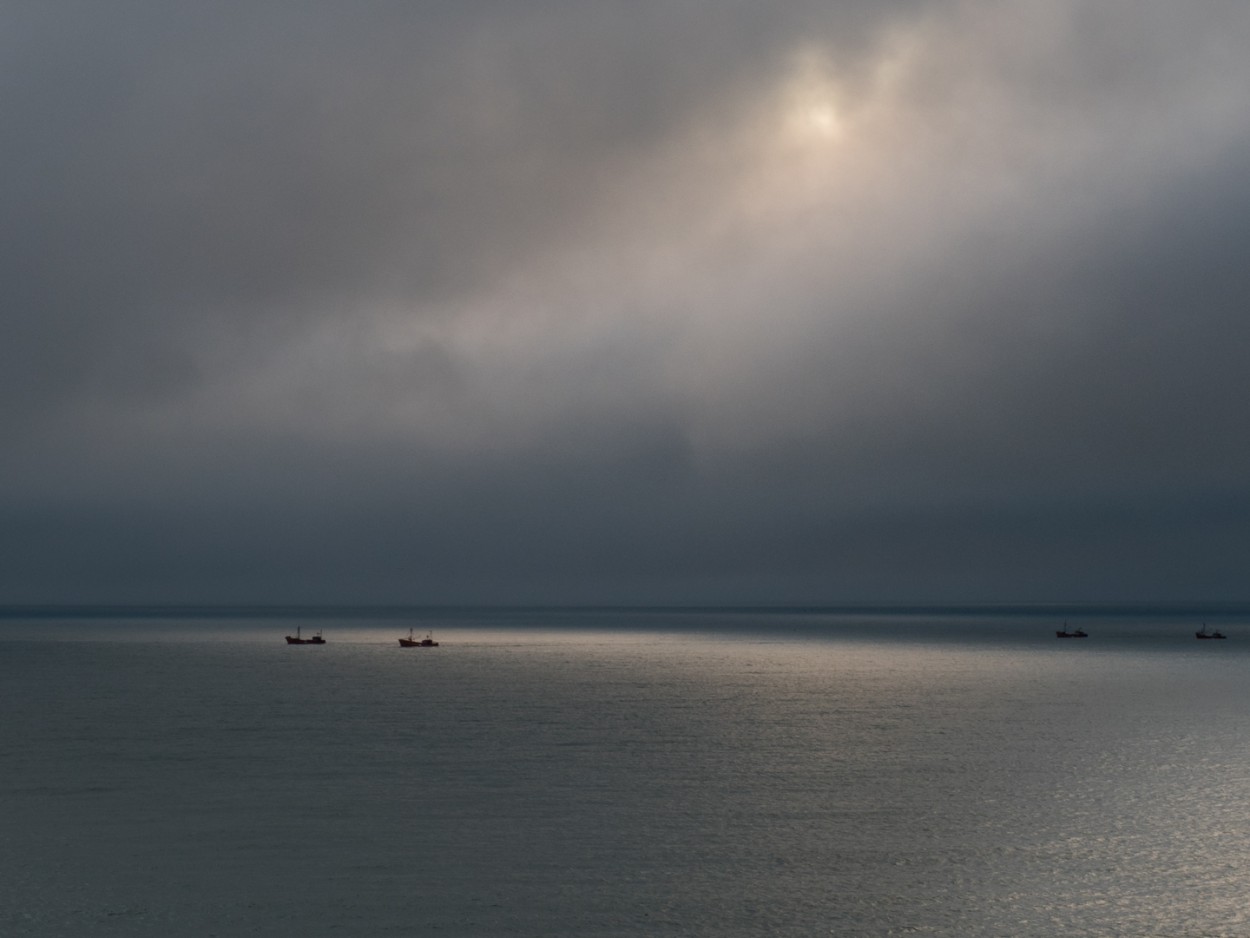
(552, 301)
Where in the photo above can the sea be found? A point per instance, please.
(625, 772)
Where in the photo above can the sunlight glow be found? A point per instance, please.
(810, 100)
(822, 120)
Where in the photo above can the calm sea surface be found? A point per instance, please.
(625, 773)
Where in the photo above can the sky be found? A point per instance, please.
(624, 301)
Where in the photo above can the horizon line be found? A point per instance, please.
(89, 610)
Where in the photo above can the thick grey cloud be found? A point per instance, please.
(624, 301)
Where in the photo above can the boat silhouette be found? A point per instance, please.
(410, 642)
(296, 639)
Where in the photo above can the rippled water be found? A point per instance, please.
(766, 774)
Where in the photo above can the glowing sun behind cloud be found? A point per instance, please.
(810, 100)
(822, 120)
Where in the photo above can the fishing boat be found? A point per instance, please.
(410, 642)
(1074, 633)
(296, 639)
(1207, 633)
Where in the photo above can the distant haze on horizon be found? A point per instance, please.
(485, 302)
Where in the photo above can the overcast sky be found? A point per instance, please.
(625, 301)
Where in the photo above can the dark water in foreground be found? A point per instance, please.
(625, 774)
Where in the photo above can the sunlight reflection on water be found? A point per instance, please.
(194, 776)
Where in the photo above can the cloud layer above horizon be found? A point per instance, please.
(921, 300)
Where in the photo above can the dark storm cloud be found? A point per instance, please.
(654, 301)
(177, 171)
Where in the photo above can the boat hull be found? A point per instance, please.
(410, 642)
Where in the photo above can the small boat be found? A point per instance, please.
(410, 642)
(1074, 633)
(297, 640)
(1207, 633)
